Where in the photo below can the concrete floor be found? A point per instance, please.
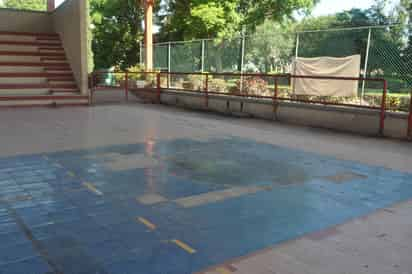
(377, 243)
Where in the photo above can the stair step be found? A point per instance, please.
(36, 86)
(33, 74)
(55, 70)
(18, 48)
(33, 64)
(30, 43)
(59, 80)
(52, 48)
(28, 39)
(36, 34)
(8, 58)
(25, 81)
(49, 39)
(53, 58)
(61, 91)
(43, 100)
(42, 54)
(21, 69)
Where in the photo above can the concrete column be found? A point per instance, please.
(148, 37)
(50, 5)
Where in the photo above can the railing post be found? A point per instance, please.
(206, 88)
(275, 95)
(91, 89)
(383, 108)
(158, 87)
(410, 118)
(126, 86)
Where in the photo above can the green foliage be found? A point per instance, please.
(271, 48)
(40, 5)
(183, 19)
(217, 85)
(117, 30)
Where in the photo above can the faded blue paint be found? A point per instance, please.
(50, 221)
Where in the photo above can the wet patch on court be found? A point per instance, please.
(175, 206)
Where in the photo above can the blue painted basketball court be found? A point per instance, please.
(175, 206)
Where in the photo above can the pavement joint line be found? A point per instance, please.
(183, 246)
(92, 188)
(147, 223)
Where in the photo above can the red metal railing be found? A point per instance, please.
(157, 82)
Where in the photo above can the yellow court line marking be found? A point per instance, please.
(147, 223)
(223, 270)
(71, 174)
(184, 246)
(92, 188)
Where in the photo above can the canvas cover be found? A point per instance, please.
(326, 66)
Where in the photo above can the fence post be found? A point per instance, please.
(294, 65)
(207, 90)
(169, 62)
(275, 96)
(242, 52)
(91, 89)
(126, 86)
(202, 58)
(365, 68)
(383, 108)
(158, 87)
(410, 118)
(141, 52)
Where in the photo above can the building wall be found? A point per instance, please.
(69, 21)
(25, 21)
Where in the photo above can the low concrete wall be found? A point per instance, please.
(69, 21)
(25, 21)
(361, 121)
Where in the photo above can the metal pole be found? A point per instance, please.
(126, 86)
(242, 57)
(294, 63)
(383, 108)
(141, 53)
(410, 118)
(366, 63)
(242, 60)
(169, 63)
(158, 87)
(207, 91)
(297, 45)
(202, 58)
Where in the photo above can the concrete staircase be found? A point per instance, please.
(34, 71)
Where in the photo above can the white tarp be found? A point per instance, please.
(326, 66)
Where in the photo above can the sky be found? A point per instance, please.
(326, 7)
(58, 2)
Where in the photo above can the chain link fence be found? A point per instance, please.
(384, 53)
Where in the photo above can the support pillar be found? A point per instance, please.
(50, 5)
(148, 37)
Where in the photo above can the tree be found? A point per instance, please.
(271, 48)
(191, 19)
(40, 5)
(116, 32)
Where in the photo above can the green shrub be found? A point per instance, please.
(217, 85)
(193, 82)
